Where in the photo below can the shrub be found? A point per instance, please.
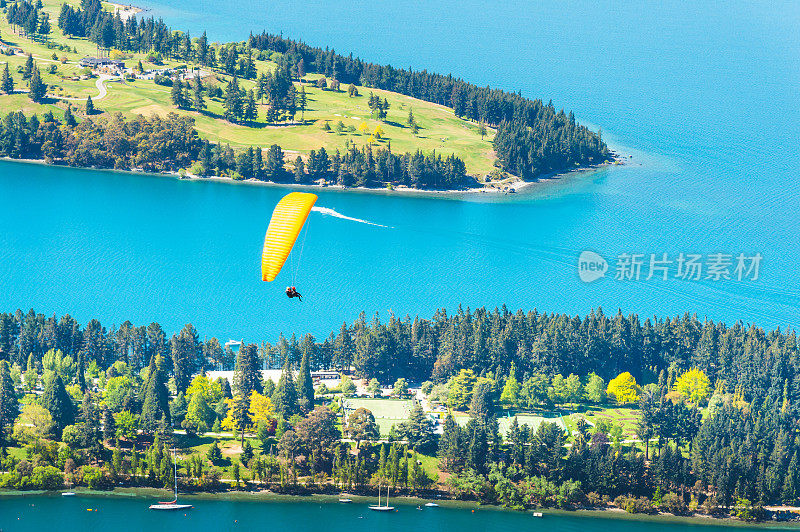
(166, 81)
(674, 504)
(634, 505)
(47, 478)
(746, 511)
(594, 499)
(93, 477)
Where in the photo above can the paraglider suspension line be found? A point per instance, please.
(296, 262)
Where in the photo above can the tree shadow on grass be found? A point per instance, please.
(193, 440)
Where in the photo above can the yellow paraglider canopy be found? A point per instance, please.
(287, 221)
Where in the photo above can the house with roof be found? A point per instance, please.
(97, 62)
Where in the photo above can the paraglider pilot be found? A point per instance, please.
(292, 292)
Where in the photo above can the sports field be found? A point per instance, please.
(387, 412)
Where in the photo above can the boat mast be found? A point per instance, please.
(175, 463)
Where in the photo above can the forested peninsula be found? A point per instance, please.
(519, 409)
(268, 108)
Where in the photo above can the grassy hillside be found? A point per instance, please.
(439, 129)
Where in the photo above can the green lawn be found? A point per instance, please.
(439, 130)
(430, 464)
(230, 447)
(387, 412)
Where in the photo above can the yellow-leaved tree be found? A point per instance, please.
(623, 389)
(363, 127)
(261, 408)
(379, 133)
(212, 391)
(694, 385)
(244, 413)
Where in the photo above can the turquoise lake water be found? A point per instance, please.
(704, 98)
(36, 513)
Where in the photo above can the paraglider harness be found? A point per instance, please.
(292, 292)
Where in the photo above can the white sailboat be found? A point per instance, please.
(69, 492)
(172, 505)
(385, 507)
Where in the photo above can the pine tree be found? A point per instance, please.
(214, 453)
(58, 402)
(250, 110)
(285, 397)
(272, 114)
(383, 108)
(790, 488)
(69, 118)
(186, 99)
(482, 402)
(89, 416)
(89, 106)
(291, 103)
(246, 374)
(82, 370)
(7, 83)
(258, 164)
(261, 87)
(199, 100)
(155, 406)
(417, 430)
(451, 451)
(37, 87)
(28, 71)
(176, 94)
(178, 408)
(410, 120)
(247, 452)
(32, 24)
(233, 101)
(305, 386)
(116, 459)
(299, 170)
(8, 399)
(478, 446)
(372, 103)
(44, 26)
(109, 426)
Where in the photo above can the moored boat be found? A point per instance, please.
(173, 504)
(385, 507)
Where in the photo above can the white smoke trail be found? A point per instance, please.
(330, 212)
